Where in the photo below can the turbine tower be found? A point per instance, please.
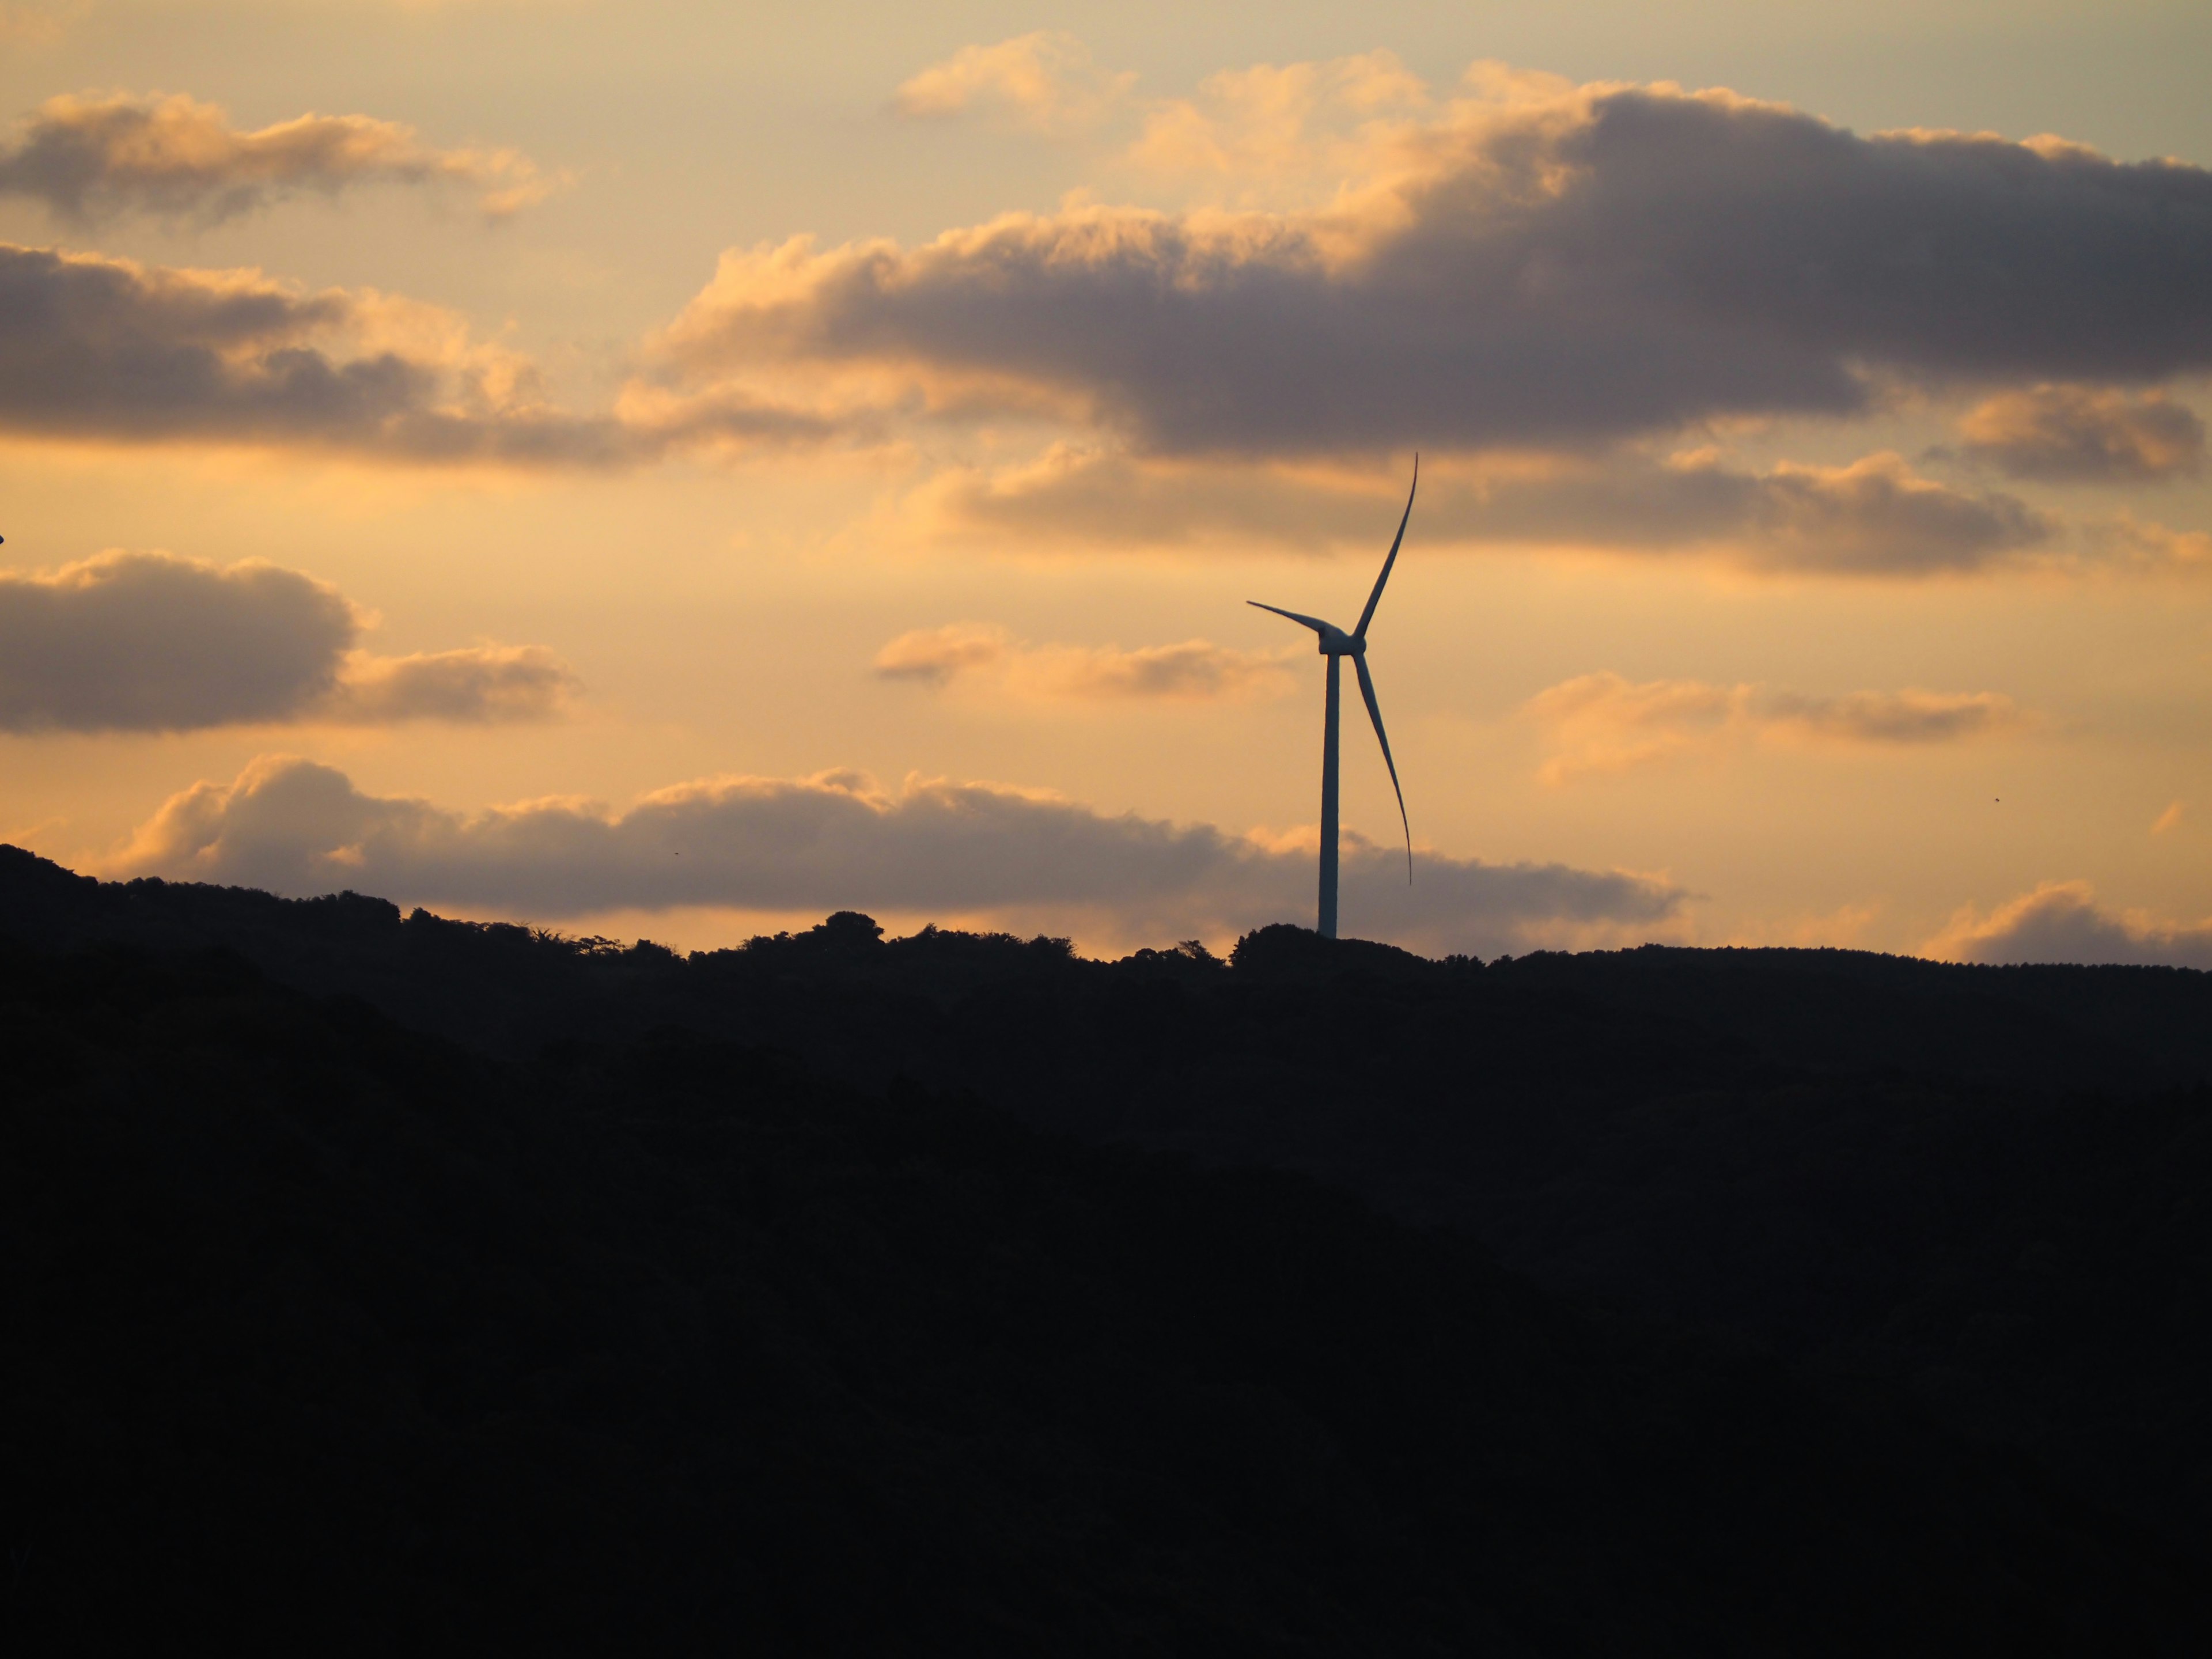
(1336, 645)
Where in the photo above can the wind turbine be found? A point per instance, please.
(1336, 645)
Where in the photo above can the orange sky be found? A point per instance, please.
(656, 471)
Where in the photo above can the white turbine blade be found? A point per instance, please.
(1375, 597)
(1314, 622)
(1375, 714)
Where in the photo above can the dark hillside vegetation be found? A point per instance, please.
(954, 1294)
(324, 1332)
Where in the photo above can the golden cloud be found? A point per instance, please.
(2091, 434)
(1605, 723)
(1191, 670)
(94, 155)
(2062, 922)
(1045, 80)
(1875, 516)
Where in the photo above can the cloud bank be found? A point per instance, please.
(1553, 282)
(474, 686)
(92, 156)
(2085, 434)
(1192, 671)
(150, 642)
(112, 350)
(2062, 922)
(1559, 269)
(1604, 723)
(1876, 516)
(837, 840)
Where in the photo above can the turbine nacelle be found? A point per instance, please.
(1333, 641)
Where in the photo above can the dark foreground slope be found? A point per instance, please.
(326, 1335)
(1961, 1210)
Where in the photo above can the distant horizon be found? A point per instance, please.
(904, 928)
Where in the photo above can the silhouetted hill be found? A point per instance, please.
(758, 1293)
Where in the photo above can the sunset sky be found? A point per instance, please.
(675, 470)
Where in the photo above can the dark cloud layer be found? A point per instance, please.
(1607, 262)
(112, 350)
(1604, 722)
(90, 157)
(1876, 516)
(150, 642)
(107, 349)
(2086, 435)
(145, 642)
(477, 684)
(834, 841)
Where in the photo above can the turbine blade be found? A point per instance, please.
(1314, 622)
(1375, 714)
(1375, 597)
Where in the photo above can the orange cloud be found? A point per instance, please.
(1602, 723)
(1291, 132)
(476, 685)
(2087, 434)
(114, 350)
(1194, 670)
(1044, 80)
(92, 156)
(2062, 922)
(1876, 516)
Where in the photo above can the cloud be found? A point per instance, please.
(476, 685)
(1602, 723)
(1875, 516)
(937, 656)
(2168, 820)
(92, 156)
(1542, 269)
(112, 350)
(1194, 670)
(1025, 859)
(2089, 435)
(2062, 922)
(150, 642)
(1308, 126)
(2140, 545)
(145, 641)
(1044, 80)
(108, 349)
